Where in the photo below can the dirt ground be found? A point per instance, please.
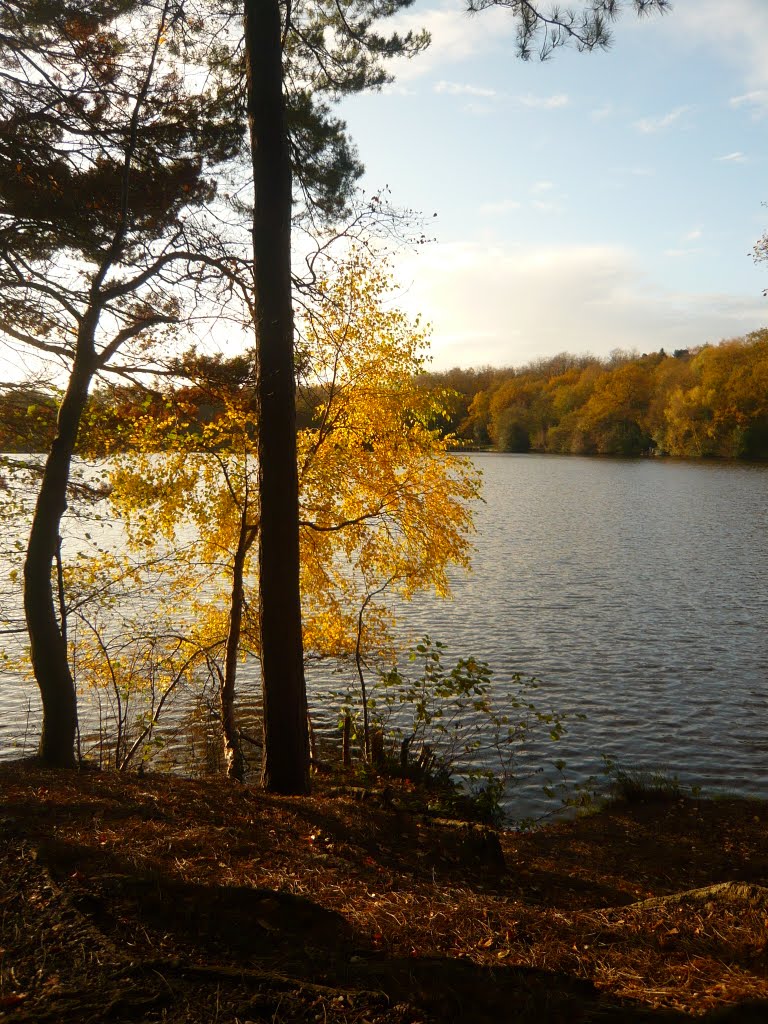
(159, 899)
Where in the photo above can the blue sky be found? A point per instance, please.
(596, 201)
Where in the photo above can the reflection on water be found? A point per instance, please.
(634, 590)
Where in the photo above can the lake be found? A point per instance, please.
(636, 591)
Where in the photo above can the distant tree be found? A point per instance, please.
(614, 417)
(476, 424)
(711, 402)
(670, 375)
(519, 413)
(720, 406)
(27, 417)
(457, 387)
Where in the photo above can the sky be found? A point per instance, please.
(584, 204)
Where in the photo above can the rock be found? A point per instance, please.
(470, 843)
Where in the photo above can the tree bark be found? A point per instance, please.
(233, 753)
(733, 892)
(286, 744)
(46, 635)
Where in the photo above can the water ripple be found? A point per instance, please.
(635, 591)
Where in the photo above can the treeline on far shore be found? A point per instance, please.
(710, 401)
(705, 402)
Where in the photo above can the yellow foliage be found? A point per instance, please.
(382, 501)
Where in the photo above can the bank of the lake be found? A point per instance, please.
(188, 902)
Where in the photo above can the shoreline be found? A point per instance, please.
(164, 898)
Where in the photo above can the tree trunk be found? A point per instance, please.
(47, 641)
(286, 746)
(233, 753)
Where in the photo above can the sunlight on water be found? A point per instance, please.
(635, 591)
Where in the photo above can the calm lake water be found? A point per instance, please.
(636, 591)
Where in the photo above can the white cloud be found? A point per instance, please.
(395, 89)
(733, 158)
(510, 304)
(756, 102)
(455, 34)
(737, 31)
(682, 253)
(555, 102)
(542, 189)
(758, 97)
(693, 236)
(601, 113)
(738, 34)
(547, 201)
(461, 89)
(502, 206)
(648, 125)
(545, 207)
(478, 109)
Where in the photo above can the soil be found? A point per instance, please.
(159, 899)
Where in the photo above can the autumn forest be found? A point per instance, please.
(708, 402)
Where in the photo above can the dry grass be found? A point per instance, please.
(162, 899)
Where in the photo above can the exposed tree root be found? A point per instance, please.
(740, 892)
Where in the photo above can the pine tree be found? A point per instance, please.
(105, 156)
(297, 55)
(328, 49)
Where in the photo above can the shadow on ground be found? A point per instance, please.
(175, 902)
(169, 945)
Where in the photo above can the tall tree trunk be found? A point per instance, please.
(47, 641)
(286, 742)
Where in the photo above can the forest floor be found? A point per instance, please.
(127, 898)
